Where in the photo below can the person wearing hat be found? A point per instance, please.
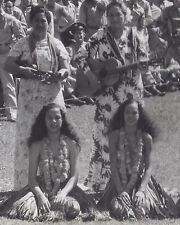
(74, 39)
(77, 34)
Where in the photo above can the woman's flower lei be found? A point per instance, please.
(55, 169)
(126, 166)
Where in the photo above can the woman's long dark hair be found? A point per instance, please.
(145, 124)
(39, 130)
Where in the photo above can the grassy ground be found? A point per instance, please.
(112, 222)
(166, 154)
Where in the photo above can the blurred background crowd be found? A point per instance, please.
(74, 21)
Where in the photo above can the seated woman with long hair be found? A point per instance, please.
(132, 191)
(52, 192)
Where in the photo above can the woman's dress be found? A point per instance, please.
(23, 204)
(157, 204)
(33, 95)
(107, 103)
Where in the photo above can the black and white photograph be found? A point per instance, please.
(90, 112)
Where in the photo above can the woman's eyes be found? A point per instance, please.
(41, 21)
(132, 113)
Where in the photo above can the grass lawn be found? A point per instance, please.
(166, 154)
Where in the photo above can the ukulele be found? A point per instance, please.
(43, 76)
(105, 74)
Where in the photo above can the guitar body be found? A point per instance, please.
(104, 74)
(91, 83)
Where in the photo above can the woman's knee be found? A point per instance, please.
(72, 208)
(116, 208)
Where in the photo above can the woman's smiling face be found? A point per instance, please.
(40, 23)
(53, 120)
(115, 17)
(131, 114)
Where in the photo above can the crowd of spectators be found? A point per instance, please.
(157, 24)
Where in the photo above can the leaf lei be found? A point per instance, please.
(123, 157)
(55, 170)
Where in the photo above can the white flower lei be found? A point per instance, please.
(54, 169)
(123, 156)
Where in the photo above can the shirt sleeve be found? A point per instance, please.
(17, 48)
(17, 29)
(89, 50)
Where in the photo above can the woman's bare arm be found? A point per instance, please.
(34, 153)
(148, 162)
(113, 142)
(42, 201)
(21, 71)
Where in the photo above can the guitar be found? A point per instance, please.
(105, 74)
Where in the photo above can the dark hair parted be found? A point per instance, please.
(145, 124)
(118, 3)
(39, 130)
(39, 9)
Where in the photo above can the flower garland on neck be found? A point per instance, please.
(55, 169)
(128, 167)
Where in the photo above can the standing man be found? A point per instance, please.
(64, 15)
(70, 10)
(92, 15)
(138, 8)
(10, 30)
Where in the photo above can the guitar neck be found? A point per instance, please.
(132, 66)
(126, 68)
